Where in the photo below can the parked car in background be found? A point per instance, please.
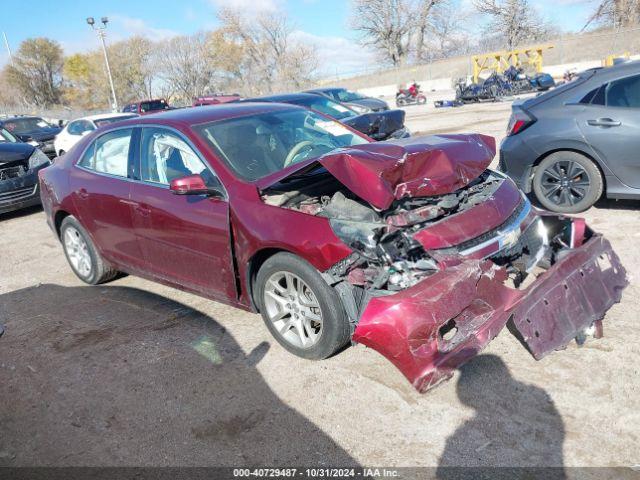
(75, 129)
(413, 247)
(378, 125)
(19, 166)
(215, 99)
(358, 102)
(34, 131)
(146, 107)
(578, 141)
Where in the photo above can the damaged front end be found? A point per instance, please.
(446, 253)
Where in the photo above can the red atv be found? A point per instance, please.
(410, 96)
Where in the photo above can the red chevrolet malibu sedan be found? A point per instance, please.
(413, 247)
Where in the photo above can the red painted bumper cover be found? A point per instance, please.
(408, 327)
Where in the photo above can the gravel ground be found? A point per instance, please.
(134, 373)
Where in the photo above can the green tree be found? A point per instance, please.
(37, 71)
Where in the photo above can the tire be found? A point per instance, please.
(82, 255)
(287, 270)
(421, 100)
(567, 182)
(61, 152)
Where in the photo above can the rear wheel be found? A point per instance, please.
(567, 182)
(82, 255)
(300, 309)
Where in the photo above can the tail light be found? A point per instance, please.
(518, 121)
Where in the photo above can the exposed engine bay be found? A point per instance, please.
(386, 254)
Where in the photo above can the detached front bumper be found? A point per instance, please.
(434, 327)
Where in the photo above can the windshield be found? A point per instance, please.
(106, 121)
(6, 137)
(258, 145)
(153, 105)
(326, 106)
(25, 125)
(347, 96)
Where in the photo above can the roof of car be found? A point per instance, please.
(621, 68)
(210, 113)
(17, 117)
(284, 97)
(102, 116)
(330, 89)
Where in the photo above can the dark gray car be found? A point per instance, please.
(360, 103)
(571, 144)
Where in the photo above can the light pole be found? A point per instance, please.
(101, 31)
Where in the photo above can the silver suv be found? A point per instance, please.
(571, 144)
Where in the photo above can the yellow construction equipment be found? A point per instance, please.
(610, 60)
(500, 61)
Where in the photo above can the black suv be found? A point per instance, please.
(19, 166)
(34, 131)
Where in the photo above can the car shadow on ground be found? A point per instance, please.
(120, 376)
(613, 204)
(514, 425)
(23, 212)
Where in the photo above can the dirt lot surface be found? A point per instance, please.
(134, 373)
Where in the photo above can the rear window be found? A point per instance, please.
(153, 105)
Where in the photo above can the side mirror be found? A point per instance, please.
(194, 185)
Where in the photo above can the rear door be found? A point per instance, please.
(101, 188)
(185, 239)
(610, 123)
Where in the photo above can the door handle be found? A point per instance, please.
(604, 122)
(82, 193)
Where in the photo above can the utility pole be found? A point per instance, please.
(101, 32)
(6, 43)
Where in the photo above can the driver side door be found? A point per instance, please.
(185, 239)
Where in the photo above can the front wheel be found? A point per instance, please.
(567, 182)
(300, 309)
(421, 100)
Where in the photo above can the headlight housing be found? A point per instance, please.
(37, 158)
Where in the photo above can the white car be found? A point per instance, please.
(75, 129)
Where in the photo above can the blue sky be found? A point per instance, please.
(322, 22)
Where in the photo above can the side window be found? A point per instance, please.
(595, 96)
(164, 156)
(87, 126)
(74, 128)
(109, 153)
(624, 93)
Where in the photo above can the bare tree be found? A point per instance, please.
(188, 65)
(445, 34)
(515, 20)
(268, 53)
(616, 13)
(386, 26)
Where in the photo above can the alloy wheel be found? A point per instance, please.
(293, 309)
(565, 183)
(77, 251)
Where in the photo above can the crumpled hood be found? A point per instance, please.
(380, 173)
(10, 152)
